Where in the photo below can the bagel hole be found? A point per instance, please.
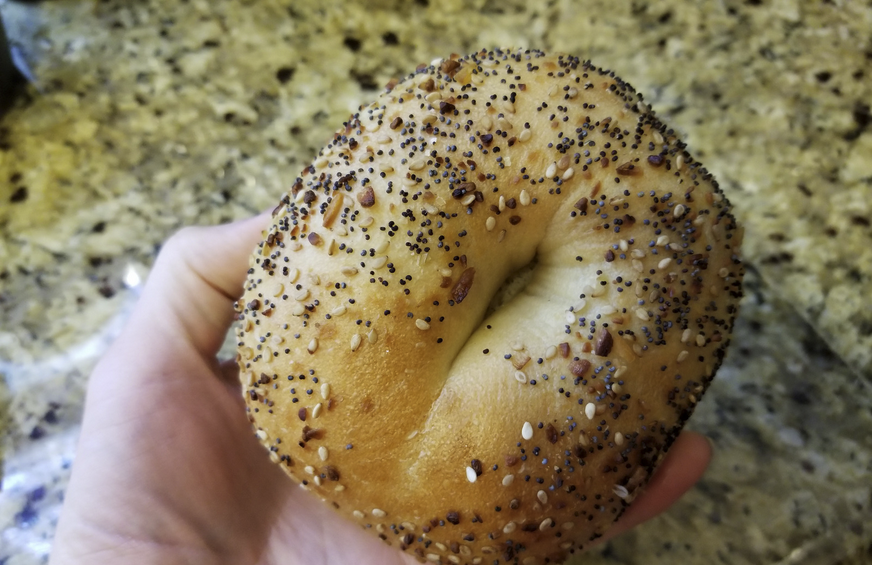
(514, 284)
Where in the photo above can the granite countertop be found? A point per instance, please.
(145, 117)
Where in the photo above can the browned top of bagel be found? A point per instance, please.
(380, 379)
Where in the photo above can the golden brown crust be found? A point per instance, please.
(372, 367)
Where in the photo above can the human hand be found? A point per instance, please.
(168, 470)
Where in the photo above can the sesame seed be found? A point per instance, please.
(322, 453)
(471, 476)
(568, 174)
(621, 491)
(619, 438)
(685, 335)
(309, 469)
(338, 311)
(502, 203)
(379, 262)
(378, 513)
(355, 342)
(546, 523)
(551, 170)
(527, 430)
(524, 198)
(520, 377)
(642, 314)
(261, 435)
(551, 351)
(490, 223)
(325, 391)
(682, 356)
(372, 336)
(316, 411)
(525, 135)
(301, 295)
(590, 410)
(664, 263)
(357, 514)
(509, 528)
(508, 479)
(662, 240)
(349, 271)
(422, 324)
(542, 496)
(313, 345)
(700, 340)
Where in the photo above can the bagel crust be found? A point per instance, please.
(384, 376)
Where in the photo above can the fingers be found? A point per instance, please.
(683, 466)
(188, 297)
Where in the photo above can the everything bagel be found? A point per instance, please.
(483, 313)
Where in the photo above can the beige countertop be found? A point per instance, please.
(151, 116)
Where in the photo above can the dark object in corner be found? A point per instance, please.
(10, 79)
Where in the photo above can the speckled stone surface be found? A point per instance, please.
(148, 117)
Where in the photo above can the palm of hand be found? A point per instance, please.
(202, 487)
(168, 470)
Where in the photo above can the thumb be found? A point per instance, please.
(188, 297)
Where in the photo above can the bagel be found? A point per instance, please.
(480, 317)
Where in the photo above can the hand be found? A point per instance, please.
(168, 470)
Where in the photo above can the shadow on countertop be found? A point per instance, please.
(11, 81)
